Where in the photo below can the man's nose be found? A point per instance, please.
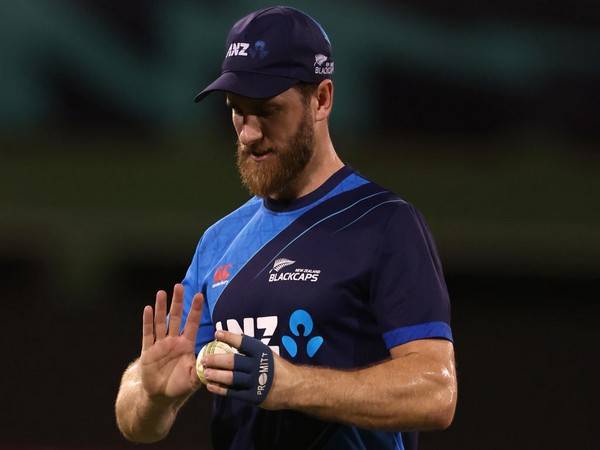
(251, 131)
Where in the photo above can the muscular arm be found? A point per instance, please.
(155, 386)
(139, 417)
(413, 390)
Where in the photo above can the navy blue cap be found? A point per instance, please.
(269, 51)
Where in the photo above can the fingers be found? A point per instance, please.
(194, 380)
(219, 361)
(160, 315)
(216, 389)
(176, 310)
(147, 328)
(219, 376)
(235, 340)
(193, 319)
(155, 328)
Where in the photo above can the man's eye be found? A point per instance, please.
(263, 113)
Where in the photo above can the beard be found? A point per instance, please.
(276, 173)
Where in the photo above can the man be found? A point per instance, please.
(328, 285)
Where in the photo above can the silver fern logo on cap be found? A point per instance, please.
(320, 59)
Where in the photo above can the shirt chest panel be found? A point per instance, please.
(315, 290)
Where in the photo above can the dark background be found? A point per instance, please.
(483, 114)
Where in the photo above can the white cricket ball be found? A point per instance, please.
(212, 348)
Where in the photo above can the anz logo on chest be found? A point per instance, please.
(263, 328)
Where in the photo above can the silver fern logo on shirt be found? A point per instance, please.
(282, 271)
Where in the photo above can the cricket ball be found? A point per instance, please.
(212, 348)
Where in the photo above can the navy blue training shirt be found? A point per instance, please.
(335, 278)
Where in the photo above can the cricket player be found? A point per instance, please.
(328, 285)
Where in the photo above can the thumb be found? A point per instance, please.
(194, 380)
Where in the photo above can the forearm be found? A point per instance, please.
(139, 417)
(407, 393)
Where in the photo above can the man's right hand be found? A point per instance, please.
(168, 362)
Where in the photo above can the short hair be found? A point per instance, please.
(306, 90)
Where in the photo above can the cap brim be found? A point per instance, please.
(248, 84)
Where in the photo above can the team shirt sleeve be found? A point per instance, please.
(408, 292)
(194, 283)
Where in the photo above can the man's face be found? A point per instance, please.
(275, 140)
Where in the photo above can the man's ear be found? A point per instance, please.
(324, 97)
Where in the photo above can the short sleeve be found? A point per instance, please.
(408, 292)
(193, 283)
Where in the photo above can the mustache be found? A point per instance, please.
(248, 149)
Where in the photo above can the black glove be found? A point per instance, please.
(253, 371)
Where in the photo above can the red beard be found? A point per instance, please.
(275, 174)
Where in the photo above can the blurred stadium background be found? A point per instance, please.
(483, 114)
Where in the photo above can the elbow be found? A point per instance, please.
(441, 412)
(435, 416)
(431, 411)
(136, 437)
(427, 394)
(442, 418)
(427, 416)
(142, 439)
(132, 428)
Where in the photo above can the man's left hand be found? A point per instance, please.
(256, 375)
